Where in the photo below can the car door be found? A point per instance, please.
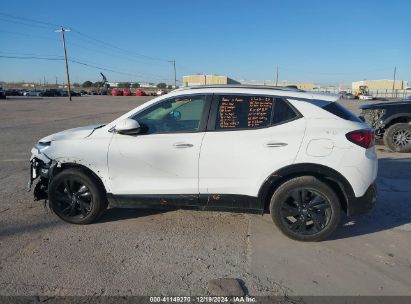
(162, 160)
(249, 137)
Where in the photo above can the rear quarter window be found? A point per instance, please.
(283, 112)
(338, 110)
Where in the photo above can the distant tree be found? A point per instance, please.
(162, 85)
(135, 85)
(169, 87)
(98, 84)
(76, 85)
(87, 84)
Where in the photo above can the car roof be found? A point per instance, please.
(256, 89)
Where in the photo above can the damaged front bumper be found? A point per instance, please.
(42, 171)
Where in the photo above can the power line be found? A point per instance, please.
(93, 48)
(30, 20)
(30, 57)
(25, 23)
(118, 48)
(29, 36)
(77, 62)
(29, 54)
(101, 42)
(104, 49)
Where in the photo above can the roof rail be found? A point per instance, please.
(239, 86)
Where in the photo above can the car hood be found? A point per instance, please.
(385, 104)
(75, 133)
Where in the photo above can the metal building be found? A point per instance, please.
(383, 84)
(202, 79)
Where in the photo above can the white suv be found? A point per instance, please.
(301, 156)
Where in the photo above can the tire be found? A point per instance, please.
(305, 209)
(397, 138)
(77, 197)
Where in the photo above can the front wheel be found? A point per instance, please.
(305, 209)
(398, 137)
(76, 197)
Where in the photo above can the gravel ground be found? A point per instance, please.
(145, 252)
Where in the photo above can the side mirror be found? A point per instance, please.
(128, 126)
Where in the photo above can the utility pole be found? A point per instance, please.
(62, 30)
(175, 73)
(393, 84)
(276, 79)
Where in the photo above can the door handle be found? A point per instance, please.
(183, 145)
(276, 144)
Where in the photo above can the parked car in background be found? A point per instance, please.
(365, 97)
(51, 93)
(75, 94)
(161, 92)
(33, 93)
(299, 155)
(140, 93)
(116, 92)
(64, 93)
(392, 123)
(12, 92)
(348, 96)
(126, 92)
(2, 93)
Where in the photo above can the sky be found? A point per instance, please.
(322, 42)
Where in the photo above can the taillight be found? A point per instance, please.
(363, 138)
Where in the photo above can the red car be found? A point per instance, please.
(126, 92)
(140, 93)
(116, 92)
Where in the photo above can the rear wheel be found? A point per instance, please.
(398, 137)
(76, 197)
(305, 209)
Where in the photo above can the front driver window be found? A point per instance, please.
(180, 114)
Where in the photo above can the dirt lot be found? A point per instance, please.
(140, 252)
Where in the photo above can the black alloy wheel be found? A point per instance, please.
(306, 209)
(74, 198)
(305, 212)
(77, 197)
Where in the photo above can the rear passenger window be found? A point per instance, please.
(283, 112)
(338, 110)
(244, 112)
